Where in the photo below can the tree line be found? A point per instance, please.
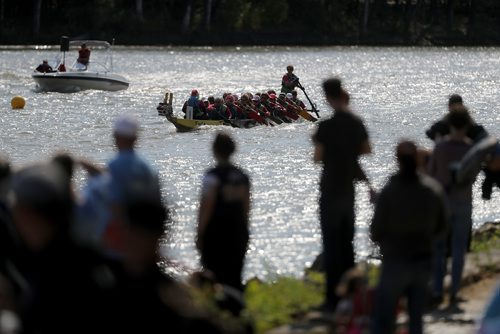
(226, 22)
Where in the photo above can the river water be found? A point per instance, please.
(399, 92)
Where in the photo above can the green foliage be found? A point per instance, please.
(251, 21)
(232, 14)
(486, 242)
(277, 303)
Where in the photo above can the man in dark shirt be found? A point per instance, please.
(44, 67)
(409, 216)
(338, 143)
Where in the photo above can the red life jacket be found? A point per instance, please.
(83, 56)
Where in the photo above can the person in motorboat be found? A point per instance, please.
(44, 67)
(84, 55)
(289, 80)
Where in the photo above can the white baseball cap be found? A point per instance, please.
(126, 125)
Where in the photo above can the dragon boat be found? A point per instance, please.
(187, 123)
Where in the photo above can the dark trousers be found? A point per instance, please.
(401, 277)
(227, 266)
(337, 228)
(491, 178)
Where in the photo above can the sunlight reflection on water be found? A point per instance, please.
(397, 91)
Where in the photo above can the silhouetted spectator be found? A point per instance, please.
(441, 128)
(64, 284)
(447, 152)
(409, 216)
(338, 142)
(146, 300)
(128, 178)
(223, 216)
(475, 132)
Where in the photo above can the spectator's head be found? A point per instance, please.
(144, 226)
(294, 93)
(223, 147)
(45, 62)
(459, 118)
(333, 92)
(218, 101)
(211, 99)
(194, 92)
(406, 154)
(125, 128)
(454, 101)
(289, 69)
(41, 204)
(66, 162)
(84, 45)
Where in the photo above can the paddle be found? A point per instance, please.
(225, 119)
(313, 107)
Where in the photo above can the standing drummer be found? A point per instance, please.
(289, 80)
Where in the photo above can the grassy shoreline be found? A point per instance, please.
(286, 299)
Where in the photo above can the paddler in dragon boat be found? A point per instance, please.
(261, 111)
(295, 99)
(199, 109)
(290, 110)
(269, 101)
(219, 111)
(236, 111)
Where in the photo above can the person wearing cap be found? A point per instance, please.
(199, 109)
(248, 104)
(61, 283)
(131, 176)
(44, 67)
(83, 55)
(127, 178)
(289, 80)
(269, 101)
(259, 107)
(223, 234)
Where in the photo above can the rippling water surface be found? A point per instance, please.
(397, 91)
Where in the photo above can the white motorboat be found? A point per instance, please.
(97, 74)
